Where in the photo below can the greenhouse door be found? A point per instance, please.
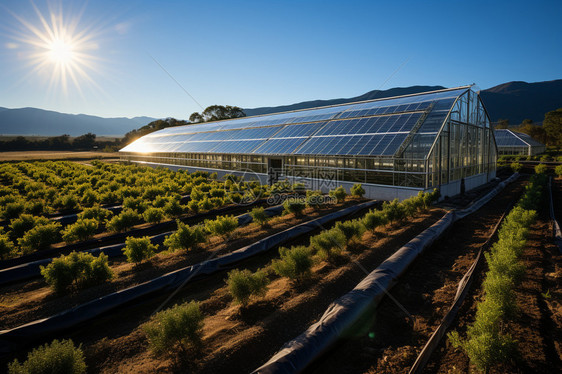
(274, 169)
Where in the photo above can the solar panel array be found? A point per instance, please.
(374, 128)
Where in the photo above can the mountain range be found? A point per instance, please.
(33, 121)
(514, 101)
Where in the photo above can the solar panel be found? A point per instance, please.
(279, 146)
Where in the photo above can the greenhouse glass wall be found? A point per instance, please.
(516, 143)
(394, 146)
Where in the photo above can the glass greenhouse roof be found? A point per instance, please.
(371, 128)
(508, 138)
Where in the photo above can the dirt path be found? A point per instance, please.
(425, 292)
(538, 325)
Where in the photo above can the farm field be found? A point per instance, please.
(197, 218)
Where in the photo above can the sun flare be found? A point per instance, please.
(60, 49)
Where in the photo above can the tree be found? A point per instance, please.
(502, 124)
(552, 125)
(86, 141)
(195, 117)
(534, 131)
(217, 113)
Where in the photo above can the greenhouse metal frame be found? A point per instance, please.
(394, 146)
(516, 143)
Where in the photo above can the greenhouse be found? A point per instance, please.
(394, 146)
(516, 143)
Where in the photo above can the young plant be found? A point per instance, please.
(541, 169)
(339, 194)
(81, 230)
(259, 216)
(173, 331)
(185, 237)
(357, 190)
(222, 226)
(40, 237)
(154, 215)
(394, 211)
(244, 284)
(374, 219)
(516, 167)
(135, 203)
(139, 249)
(353, 230)
(558, 171)
(96, 212)
(123, 221)
(295, 263)
(295, 206)
(79, 268)
(7, 248)
(58, 357)
(173, 208)
(329, 244)
(24, 223)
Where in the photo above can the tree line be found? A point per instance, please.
(86, 142)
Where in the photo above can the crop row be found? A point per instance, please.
(174, 330)
(147, 195)
(487, 341)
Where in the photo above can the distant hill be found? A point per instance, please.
(515, 101)
(33, 121)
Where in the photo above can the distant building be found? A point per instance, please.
(516, 143)
(395, 146)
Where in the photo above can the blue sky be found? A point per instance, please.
(268, 53)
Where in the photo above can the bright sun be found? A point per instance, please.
(61, 52)
(60, 49)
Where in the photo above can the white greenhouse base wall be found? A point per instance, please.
(372, 191)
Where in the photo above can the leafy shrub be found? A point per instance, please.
(67, 202)
(544, 158)
(357, 190)
(173, 208)
(13, 210)
(36, 207)
(217, 192)
(96, 212)
(374, 219)
(205, 204)
(152, 192)
(352, 229)
(315, 199)
(244, 284)
(139, 249)
(185, 237)
(259, 216)
(81, 268)
(123, 221)
(135, 203)
(235, 198)
(222, 226)
(193, 206)
(57, 357)
(516, 167)
(558, 171)
(295, 263)
(329, 244)
(81, 230)
(154, 215)
(40, 237)
(541, 169)
(7, 248)
(394, 210)
(295, 206)
(174, 330)
(24, 223)
(89, 198)
(339, 194)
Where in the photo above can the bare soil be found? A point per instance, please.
(425, 292)
(27, 301)
(538, 325)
